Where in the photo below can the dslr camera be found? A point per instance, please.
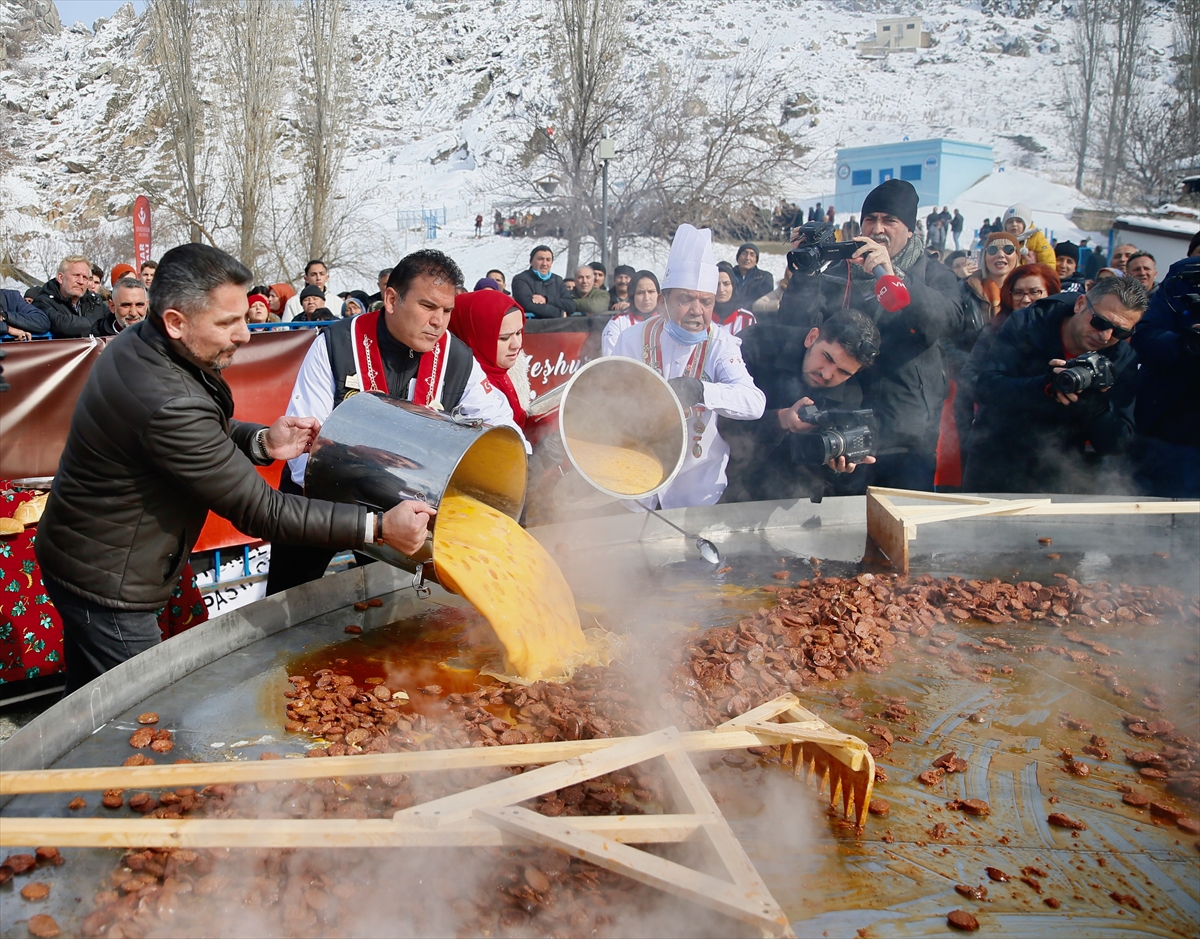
(841, 433)
(1083, 372)
(817, 247)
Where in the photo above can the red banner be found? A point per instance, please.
(47, 377)
(141, 232)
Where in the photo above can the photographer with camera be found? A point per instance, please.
(1166, 412)
(812, 429)
(913, 302)
(1059, 376)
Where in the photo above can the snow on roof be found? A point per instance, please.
(1179, 226)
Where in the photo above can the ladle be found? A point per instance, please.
(707, 549)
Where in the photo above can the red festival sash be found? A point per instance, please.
(431, 370)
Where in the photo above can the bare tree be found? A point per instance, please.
(1082, 102)
(323, 104)
(1187, 73)
(174, 28)
(1130, 19)
(250, 33)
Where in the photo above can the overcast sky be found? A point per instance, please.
(88, 11)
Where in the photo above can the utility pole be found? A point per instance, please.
(608, 151)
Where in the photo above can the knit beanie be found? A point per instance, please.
(120, 270)
(753, 247)
(1067, 249)
(1021, 211)
(1002, 236)
(257, 298)
(312, 291)
(896, 197)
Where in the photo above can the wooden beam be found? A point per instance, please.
(668, 876)
(125, 832)
(528, 785)
(953, 497)
(888, 530)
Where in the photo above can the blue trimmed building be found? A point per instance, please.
(940, 169)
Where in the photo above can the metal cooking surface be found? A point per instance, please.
(830, 880)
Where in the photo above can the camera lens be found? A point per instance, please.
(820, 447)
(1073, 380)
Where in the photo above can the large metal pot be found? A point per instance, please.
(375, 450)
(619, 402)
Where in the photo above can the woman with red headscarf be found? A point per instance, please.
(493, 325)
(278, 297)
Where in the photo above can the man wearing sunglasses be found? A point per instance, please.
(1028, 435)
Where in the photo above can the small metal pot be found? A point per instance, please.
(375, 450)
(623, 403)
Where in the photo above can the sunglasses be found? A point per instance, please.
(1006, 248)
(1100, 324)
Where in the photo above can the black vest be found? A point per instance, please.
(343, 363)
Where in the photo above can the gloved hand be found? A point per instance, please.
(689, 391)
(547, 454)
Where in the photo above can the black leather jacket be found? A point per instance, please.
(153, 448)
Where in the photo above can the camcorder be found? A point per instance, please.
(1083, 372)
(842, 433)
(816, 247)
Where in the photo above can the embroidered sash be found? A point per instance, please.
(371, 376)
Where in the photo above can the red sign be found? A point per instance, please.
(555, 358)
(141, 232)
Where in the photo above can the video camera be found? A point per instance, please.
(816, 247)
(844, 433)
(1091, 370)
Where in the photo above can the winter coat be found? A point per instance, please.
(22, 314)
(907, 383)
(1024, 440)
(1035, 244)
(976, 312)
(67, 322)
(152, 448)
(956, 224)
(559, 301)
(750, 286)
(596, 302)
(760, 454)
(1169, 377)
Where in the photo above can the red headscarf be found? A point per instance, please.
(285, 293)
(476, 321)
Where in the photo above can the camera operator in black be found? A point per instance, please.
(1167, 411)
(1030, 433)
(795, 367)
(907, 384)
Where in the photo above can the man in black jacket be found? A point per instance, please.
(68, 300)
(907, 384)
(795, 368)
(153, 447)
(542, 294)
(749, 280)
(127, 306)
(1030, 436)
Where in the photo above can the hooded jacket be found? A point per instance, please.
(152, 448)
(65, 321)
(1024, 440)
(1031, 239)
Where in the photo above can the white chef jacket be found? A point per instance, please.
(729, 390)
(312, 396)
(613, 328)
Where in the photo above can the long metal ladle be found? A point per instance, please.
(707, 549)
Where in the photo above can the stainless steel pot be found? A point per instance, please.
(374, 450)
(622, 403)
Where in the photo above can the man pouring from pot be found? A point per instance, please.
(702, 364)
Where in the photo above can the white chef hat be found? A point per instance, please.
(691, 264)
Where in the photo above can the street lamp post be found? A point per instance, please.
(608, 151)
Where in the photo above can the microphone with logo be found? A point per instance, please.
(890, 290)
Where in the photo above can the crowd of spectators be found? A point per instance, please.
(984, 337)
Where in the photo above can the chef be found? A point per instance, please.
(701, 362)
(402, 350)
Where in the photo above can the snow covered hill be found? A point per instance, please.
(438, 88)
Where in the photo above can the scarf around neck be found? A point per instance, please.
(901, 263)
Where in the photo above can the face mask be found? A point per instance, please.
(679, 334)
(544, 278)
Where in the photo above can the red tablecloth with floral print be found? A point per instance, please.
(31, 642)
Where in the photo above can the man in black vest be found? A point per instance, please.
(153, 447)
(402, 350)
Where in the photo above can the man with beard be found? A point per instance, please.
(402, 350)
(795, 369)
(126, 307)
(701, 362)
(153, 447)
(907, 384)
